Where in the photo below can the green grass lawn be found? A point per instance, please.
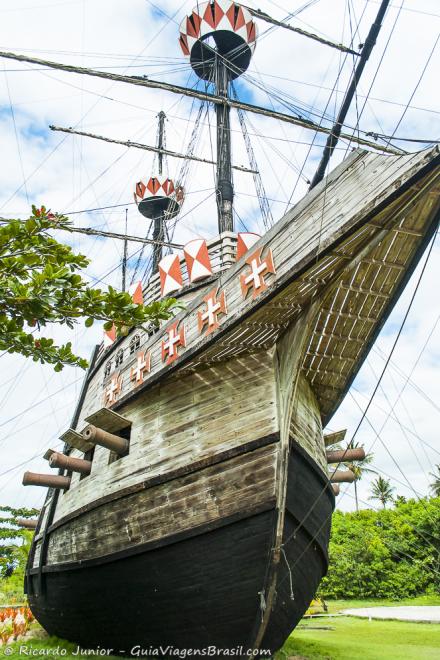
(350, 638)
(322, 638)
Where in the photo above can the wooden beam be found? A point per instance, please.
(408, 232)
(398, 230)
(203, 96)
(147, 147)
(330, 356)
(265, 17)
(378, 262)
(367, 292)
(331, 335)
(109, 420)
(122, 237)
(75, 439)
(346, 315)
(326, 372)
(334, 438)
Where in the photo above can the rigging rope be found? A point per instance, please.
(402, 324)
(266, 213)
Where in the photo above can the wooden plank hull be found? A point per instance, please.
(197, 592)
(213, 529)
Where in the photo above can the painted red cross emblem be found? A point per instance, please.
(259, 268)
(113, 389)
(143, 364)
(170, 346)
(214, 307)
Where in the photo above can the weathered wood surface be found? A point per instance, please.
(334, 438)
(193, 593)
(305, 541)
(356, 308)
(76, 440)
(322, 241)
(188, 418)
(210, 399)
(305, 423)
(108, 420)
(200, 591)
(218, 492)
(289, 356)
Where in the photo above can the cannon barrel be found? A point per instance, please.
(103, 438)
(27, 523)
(342, 476)
(343, 455)
(58, 460)
(48, 480)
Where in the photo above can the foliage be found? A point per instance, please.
(435, 486)
(317, 606)
(382, 490)
(349, 638)
(359, 467)
(41, 284)
(391, 553)
(14, 545)
(14, 623)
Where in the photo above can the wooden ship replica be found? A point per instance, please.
(193, 499)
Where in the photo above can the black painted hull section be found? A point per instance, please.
(307, 523)
(199, 592)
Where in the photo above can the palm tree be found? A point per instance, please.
(359, 469)
(382, 490)
(435, 486)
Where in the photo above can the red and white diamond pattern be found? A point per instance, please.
(109, 336)
(157, 186)
(245, 240)
(135, 290)
(170, 274)
(220, 15)
(197, 259)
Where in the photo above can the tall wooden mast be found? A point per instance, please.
(158, 198)
(224, 187)
(219, 38)
(158, 220)
(335, 134)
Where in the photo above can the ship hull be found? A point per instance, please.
(213, 529)
(197, 592)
